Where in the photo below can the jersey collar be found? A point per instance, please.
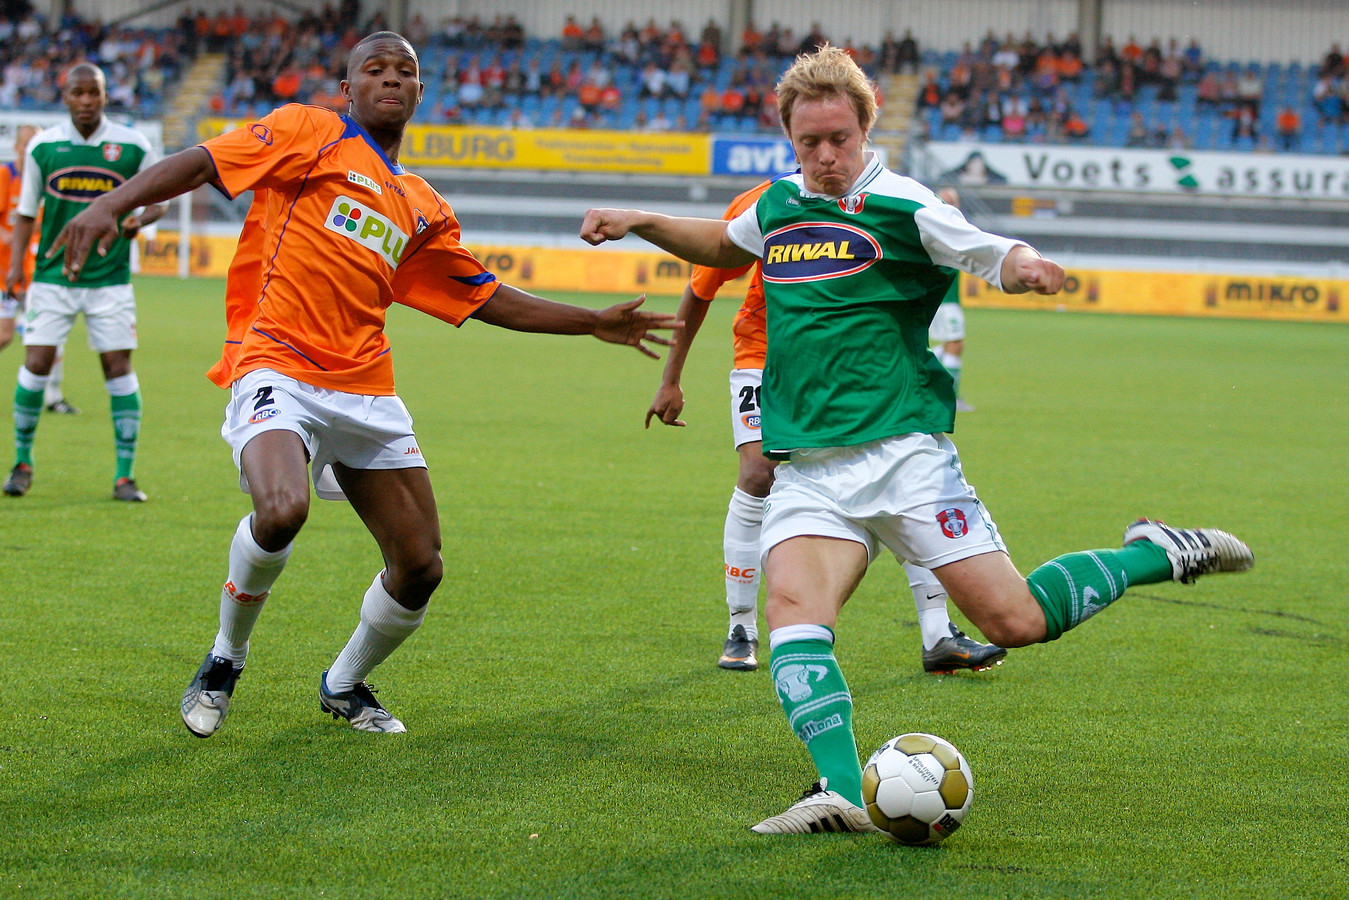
(869, 172)
(99, 135)
(353, 129)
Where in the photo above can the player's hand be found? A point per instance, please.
(131, 226)
(1031, 272)
(94, 227)
(623, 324)
(13, 281)
(669, 403)
(602, 225)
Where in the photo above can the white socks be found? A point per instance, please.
(740, 545)
(385, 624)
(252, 573)
(934, 620)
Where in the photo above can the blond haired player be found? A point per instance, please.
(338, 230)
(945, 647)
(856, 260)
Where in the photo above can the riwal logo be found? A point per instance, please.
(367, 228)
(82, 183)
(816, 251)
(364, 181)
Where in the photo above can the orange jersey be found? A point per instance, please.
(337, 232)
(751, 337)
(10, 183)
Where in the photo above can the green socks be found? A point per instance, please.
(126, 429)
(1074, 587)
(27, 409)
(819, 708)
(125, 396)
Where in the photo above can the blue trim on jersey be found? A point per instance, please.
(290, 348)
(353, 129)
(475, 280)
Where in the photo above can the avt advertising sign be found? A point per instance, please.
(1148, 171)
(761, 157)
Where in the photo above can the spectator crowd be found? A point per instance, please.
(662, 77)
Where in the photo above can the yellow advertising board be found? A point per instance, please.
(1179, 294)
(604, 270)
(572, 150)
(556, 149)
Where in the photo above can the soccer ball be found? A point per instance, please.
(917, 788)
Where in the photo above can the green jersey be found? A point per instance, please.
(64, 172)
(851, 284)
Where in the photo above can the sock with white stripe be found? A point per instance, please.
(124, 394)
(815, 698)
(1074, 587)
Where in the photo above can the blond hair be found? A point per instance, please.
(830, 72)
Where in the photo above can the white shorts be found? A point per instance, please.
(745, 385)
(906, 492)
(10, 306)
(109, 315)
(948, 324)
(357, 430)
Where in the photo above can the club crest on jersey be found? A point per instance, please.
(817, 251)
(852, 204)
(368, 228)
(364, 181)
(82, 183)
(953, 524)
(112, 152)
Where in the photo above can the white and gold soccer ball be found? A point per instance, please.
(917, 788)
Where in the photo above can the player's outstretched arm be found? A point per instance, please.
(621, 323)
(669, 400)
(700, 241)
(1024, 270)
(98, 225)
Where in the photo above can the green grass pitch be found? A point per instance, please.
(569, 733)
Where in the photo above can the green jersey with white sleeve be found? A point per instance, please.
(851, 284)
(64, 173)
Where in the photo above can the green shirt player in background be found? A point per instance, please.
(856, 260)
(66, 167)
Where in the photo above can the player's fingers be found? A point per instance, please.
(649, 413)
(57, 244)
(646, 351)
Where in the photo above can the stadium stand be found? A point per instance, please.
(655, 78)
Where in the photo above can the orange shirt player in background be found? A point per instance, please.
(10, 183)
(337, 232)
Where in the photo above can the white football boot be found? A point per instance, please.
(359, 707)
(1193, 551)
(819, 809)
